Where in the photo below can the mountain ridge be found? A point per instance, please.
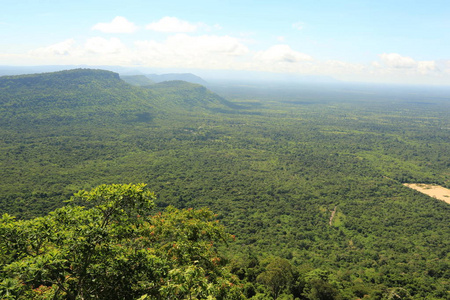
(188, 77)
(80, 93)
(137, 80)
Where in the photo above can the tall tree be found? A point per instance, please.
(114, 250)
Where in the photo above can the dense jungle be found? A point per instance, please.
(307, 178)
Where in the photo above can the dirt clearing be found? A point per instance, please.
(435, 191)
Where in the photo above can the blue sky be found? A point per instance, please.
(392, 41)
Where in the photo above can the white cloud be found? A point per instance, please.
(394, 63)
(224, 52)
(395, 68)
(182, 50)
(70, 49)
(337, 66)
(95, 51)
(395, 60)
(104, 46)
(172, 24)
(443, 66)
(179, 50)
(282, 54)
(190, 46)
(425, 67)
(298, 25)
(376, 64)
(210, 43)
(117, 25)
(64, 48)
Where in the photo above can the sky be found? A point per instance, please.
(394, 41)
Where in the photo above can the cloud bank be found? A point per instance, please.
(282, 54)
(181, 44)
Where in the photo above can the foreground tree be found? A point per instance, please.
(114, 250)
(277, 276)
(320, 286)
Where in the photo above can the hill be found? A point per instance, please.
(62, 120)
(75, 95)
(68, 96)
(188, 77)
(191, 96)
(137, 80)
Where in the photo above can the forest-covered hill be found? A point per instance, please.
(84, 94)
(311, 178)
(188, 77)
(138, 80)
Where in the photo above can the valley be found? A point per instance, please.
(314, 175)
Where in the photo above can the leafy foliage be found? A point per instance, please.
(277, 276)
(274, 163)
(114, 250)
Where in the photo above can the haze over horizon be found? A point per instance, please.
(401, 42)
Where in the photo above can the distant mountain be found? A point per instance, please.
(68, 78)
(137, 80)
(82, 95)
(188, 77)
(125, 73)
(68, 97)
(23, 70)
(206, 78)
(189, 96)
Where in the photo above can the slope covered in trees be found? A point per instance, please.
(93, 95)
(274, 166)
(188, 77)
(138, 80)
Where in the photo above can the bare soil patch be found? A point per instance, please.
(332, 215)
(435, 191)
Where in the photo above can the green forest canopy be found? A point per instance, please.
(114, 250)
(274, 164)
